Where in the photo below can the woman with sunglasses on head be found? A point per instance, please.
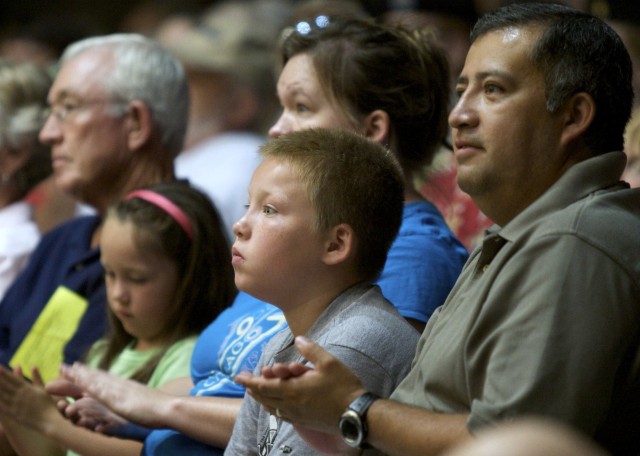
(391, 85)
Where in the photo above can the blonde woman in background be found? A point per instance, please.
(24, 162)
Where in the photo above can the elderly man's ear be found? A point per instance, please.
(139, 124)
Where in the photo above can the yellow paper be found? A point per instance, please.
(44, 344)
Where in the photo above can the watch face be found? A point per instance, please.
(351, 428)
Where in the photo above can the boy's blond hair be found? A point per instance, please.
(349, 179)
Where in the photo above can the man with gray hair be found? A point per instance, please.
(118, 110)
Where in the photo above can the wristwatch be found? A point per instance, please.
(353, 422)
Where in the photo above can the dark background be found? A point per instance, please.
(100, 16)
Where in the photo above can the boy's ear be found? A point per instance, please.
(579, 113)
(339, 245)
(377, 125)
(139, 124)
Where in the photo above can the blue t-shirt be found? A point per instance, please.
(423, 262)
(237, 338)
(63, 258)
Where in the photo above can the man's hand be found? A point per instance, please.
(312, 397)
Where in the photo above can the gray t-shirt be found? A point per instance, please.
(360, 328)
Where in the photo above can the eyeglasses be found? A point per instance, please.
(66, 109)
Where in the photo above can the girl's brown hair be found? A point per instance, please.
(206, 281)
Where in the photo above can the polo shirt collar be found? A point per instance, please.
(582, 179)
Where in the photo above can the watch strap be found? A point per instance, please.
(362, 403)
(361, 406)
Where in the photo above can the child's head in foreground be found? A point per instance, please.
(320, 198)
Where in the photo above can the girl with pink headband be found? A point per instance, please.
(168, 274)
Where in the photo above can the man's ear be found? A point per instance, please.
(340, 244)
(377, 125)
(579, 113)
(139, 124)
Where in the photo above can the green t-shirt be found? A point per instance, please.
(176, 362)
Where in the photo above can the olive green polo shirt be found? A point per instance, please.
(545, 316)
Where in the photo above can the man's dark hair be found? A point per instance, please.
(576, 52)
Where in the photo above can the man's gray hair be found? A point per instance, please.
(145, 71)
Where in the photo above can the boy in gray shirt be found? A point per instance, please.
(324, 207)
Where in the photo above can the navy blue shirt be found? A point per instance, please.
(63, 257)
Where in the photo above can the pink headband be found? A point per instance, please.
(166, 205)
